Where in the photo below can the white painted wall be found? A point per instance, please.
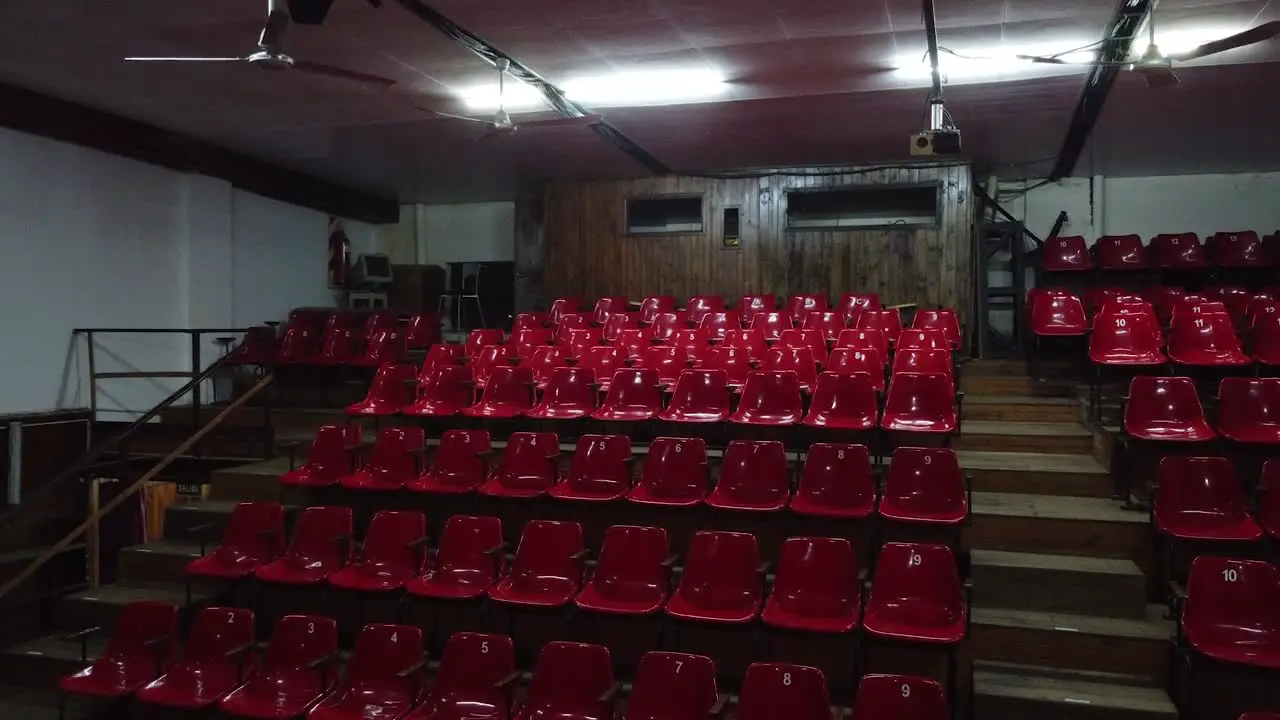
(466, 232)
(90, 239)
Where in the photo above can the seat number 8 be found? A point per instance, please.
(786, 678)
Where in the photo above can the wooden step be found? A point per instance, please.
(1010, 695)
(255, 481)
(1104, 587)
(1013, 366)
(160, 560)
(42, 661)
(1036, 473)
(1058, 524)
(100, 607)
(1069, 438)
(1015, 408)
(179, 518)
(1138, 647)
(1019, 385)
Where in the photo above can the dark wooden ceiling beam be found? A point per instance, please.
(39, 114)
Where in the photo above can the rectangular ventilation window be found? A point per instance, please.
(872, 206)
(668, 215)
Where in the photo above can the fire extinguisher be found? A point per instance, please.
(339, 255)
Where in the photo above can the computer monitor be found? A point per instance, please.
(372, 272)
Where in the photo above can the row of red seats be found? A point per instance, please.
(1169, 408)
(1200, 498)
(388, 676)
(922, 485)
(647, 310)
(1246, 307)
(723, 577)
(1174, 251)
(338, 337)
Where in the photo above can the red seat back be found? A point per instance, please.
(691, 339)
(665, 324)
(1156, 402)
(217, 631)
(750, 305)
(385, 345)
(1266, 341)
(902, 697)
(829, 323)
(606, 306)
(1232, 605)
(339, 345)
(390, 544)
(442, 354)
(1121, 252)
(600, 463)
(846, 360)
(716, 324)
(736, 362)
(258, 347)
(526, 342)
(298, 344)
(673, 686)
(922, 339)
(423, 331)
(777, 690)
(1262, 307)
(466, 542)
(479, 338)
(843, 400)
(721, 571)
(296, 642)
(570, 680)
(1125, 339)
(1176, 250)
(667, 361)
(837, 475)
(817, 578)
(509, 389)
(571, 321)
(805, 338)
(865, 338)
(528, 321)
(395, 455)
(313, 544)
(579, 341)
(633, 564)
(381, 652)
(676, 468)
(920, 402)
(772, 323)
(603, 361)
(544, 360)
(392, 388)
(852, 304)
(944, 321)
(616, 322)
(754, 472)
(919, 582)
(927, 481)
(1163, 298)
(700, 305)
(1249, 404)
(752, 339)
(704, 392)
(651, 306)
(924, 362)
(145, 634)
(1059, 315)
(331, 449)
(799, 306)
(799, 360)
(546, 556)
(888, 322)
(571, 392)
(634, 390)
(447, 385)
(461, 458)
(770, 398)
(1202, 337)
(562, 305)
(1197, 490)
(529, 460)
(633, 342)
(1068, 252)
(1269, 498)
(490, 356)
(1237, 249)
(470, 667)
(254, 530)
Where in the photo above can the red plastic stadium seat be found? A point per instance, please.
(392, 389)
(1237, 249)
(1125, 340)
(836, 481)
(209, 667)
(799, 359)
(922, 339)
(1262, 307)
(847, 361)
(690, 340)
(903, 697)
(298, 345)
(751, 305)
(478, 339)
(393, 461)
(736, 362)
(829, 323)
(580, 341)
(468, 560)
(140, 650)
(800, 306)
(1199, 498)
(665, 324)
(846, 401)
(600, 469)
(942, 320)
(524, 343)
(770, 398)
(753, 476)
(528, 467)
(700, 396)
(562, 305)
(1065, 253)
(673, 685)
(391, 555)
(632, 575)
(816, 588)
(603, 361)
(888, 322)
(384, 345)
(529, 321)
(1035, 295)
(635, 394)
(570, 394)
(332, 455)
(675, 473)
(320, 546)
(1266, 341)
(571, 321)
(1235, 300)
(384, 677)
(750, 339)
(443, 354)
(1093, 298)
(1177, 251)
(254, 536)
(1232, 610)
(852, 304)
(616, 323)
(1059, 315)
(1121, 252)
(300, 668)
(338, 346)
(779, 690)
(460, 463)
(258, 347)
(925, 485)
(571, 680)
(668, 362)
(652, 305)
(509, 394)
(723, 579)
(716, 324)
(1269, 498)
(490, 357)
(1206, 340)
(446, 390)
(1163, 298)
(916, 595)
(1249, 410)
(548, 567)
(632, 343)
(772, 323)
(865, 338)
(923, 362)
(544, 360)
(473, 680)
(920, 403)
(422, 331)
(606, 306)
(1165, 408)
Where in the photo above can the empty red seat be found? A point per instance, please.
(836, 481)
(446, 390)
(616, 323)
(798, 359)
(1163, 298)
(548, 567)
(338, 346)
(700, 396)
(606, 306)
(829, 323)
(852, 304)
(753, 476)
(544, 360)
(1066, 253)
(141, 648)
(422, 331)
(799, 306)
(770, 398)
(460, 463)
(384, 345)
(916, 595)
(922, 339)
(923, 362)
(750, 305)
(1035, 295)
(1059, 315)
(603, 361)
(861, 338)
(1197, 305)
(846, 361)
(1234, 299)
(633, 573)
(653, 305)
(1177, 251)
(691, 340)
(1232, 610)
(752, 339)
(394, 460)
(1125, 340)
(816, 588)
(562, 305)
(479, 338)
(1165, 408)
(528, 467)
(320, 546)
(1120, 252)
(905, 697)
(674, 685)
(675, 473)
(845, 401)
(925, 485)
(391, 555)
(257, 347)
(509, 394)
(332, 455)
(1237, 249)
(920, 403)
(716, 324)
(384, 677)
(944, 321)
(443, 354)
(571, 321)
(298, 345)
(599, 470)
(570, 394)
(635, 394)
(1249, 410)
(667, 361)
(633, 342)
(529, 321)
(254, 536)
(392, 390)
(665, 324)
(1093, 298)
(888, 322)
(736, 362)
(474, 679)
(772, 323)
(571, 680)
(526, 342)
(1266, 341)
(1262, 307)
(1199, 498)
(210, 665)
(490, 356)
(468, 560)
(300, 668)
(1205, 339)
(580, 341)
(780, 690)
(1269, 498)
(723, 579)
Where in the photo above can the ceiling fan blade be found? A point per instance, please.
(341, 73)
(561, 122)
(459, 117)
(184, 59)
(1262, 33)
(1042, 60)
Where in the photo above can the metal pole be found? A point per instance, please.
(14, 494)
(931, 40)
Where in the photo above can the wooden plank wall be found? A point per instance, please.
(588, 253)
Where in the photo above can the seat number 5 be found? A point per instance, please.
(484, 648)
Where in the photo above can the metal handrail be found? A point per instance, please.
(130, 491)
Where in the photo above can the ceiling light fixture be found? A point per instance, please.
(624, 89)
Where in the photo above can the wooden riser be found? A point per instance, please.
(1128, 647)
(1019, 409)
(1058, 525)
(102, 607)
(1005, 695)
(1097, 485)
(1020, 386)
(1072, 444)
(161, 562)
(1058, 584)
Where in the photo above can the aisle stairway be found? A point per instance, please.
(1060, 628)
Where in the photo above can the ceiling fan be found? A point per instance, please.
(1156, 67)
(271, 54)
(501, 123)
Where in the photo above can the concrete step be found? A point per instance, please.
(1058, 438)
(162, 561)
(100, 607)
(1036, 473)
(1135, 647)
(1017, 385)
(40, 662)
(1103, 587)
(1015, 408)
(999, 695)
(254, 481)
(1056, 524)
